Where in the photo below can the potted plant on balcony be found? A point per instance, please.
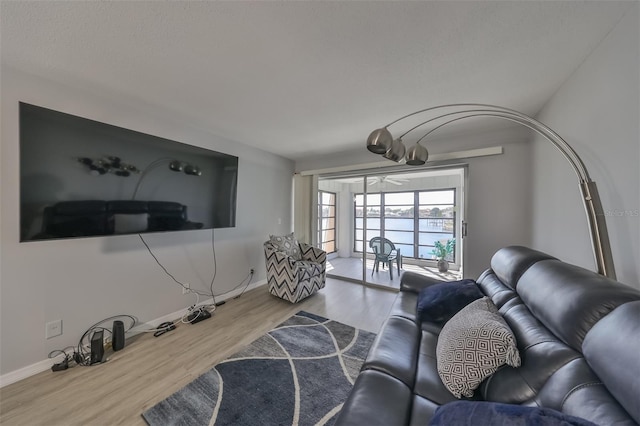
(441, 252)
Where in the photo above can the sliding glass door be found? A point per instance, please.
(376, 227)
(335, 226)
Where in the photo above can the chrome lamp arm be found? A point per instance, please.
(381, 141)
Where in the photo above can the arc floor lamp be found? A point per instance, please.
(381, 142)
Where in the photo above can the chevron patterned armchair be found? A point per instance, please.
(294, 270)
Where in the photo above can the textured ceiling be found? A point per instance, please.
(305, 78)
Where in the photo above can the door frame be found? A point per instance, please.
(460, 202)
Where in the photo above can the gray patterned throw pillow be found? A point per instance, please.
(288, 244)
(472, 346)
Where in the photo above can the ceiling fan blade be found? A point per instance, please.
(395, 182)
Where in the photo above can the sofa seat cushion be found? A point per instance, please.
(491, 413)
(395, 350)
(428, 383)
(472, 346)
(376, 399)
(422, 410)
(440, 302)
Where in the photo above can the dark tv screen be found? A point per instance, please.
(84, 178)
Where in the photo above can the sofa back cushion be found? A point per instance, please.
(542, 355)
(569, 300)
(612, 349)
(577, 336)
(495, 289)
(510, 263)
(76, 219)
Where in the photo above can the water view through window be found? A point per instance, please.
(392, 215)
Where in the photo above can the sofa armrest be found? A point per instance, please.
(414, 282)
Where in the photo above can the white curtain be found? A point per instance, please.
(304, 203)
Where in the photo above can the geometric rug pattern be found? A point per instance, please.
(299, 373)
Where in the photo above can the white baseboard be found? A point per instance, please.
(28, 371)
(150, 325)
(44, 365)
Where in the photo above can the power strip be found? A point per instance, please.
(198, 315)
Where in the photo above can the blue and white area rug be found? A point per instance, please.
(299, 373)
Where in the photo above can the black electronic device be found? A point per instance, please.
(108, 180)
(61, 365)
(198, 315)
(117, 336)
(163, 328)
(97, 347)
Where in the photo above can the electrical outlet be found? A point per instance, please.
(53, 329)
(252, 271)
(186, 288)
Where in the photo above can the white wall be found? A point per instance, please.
(82, 281)
(498, 204)
(597, 112)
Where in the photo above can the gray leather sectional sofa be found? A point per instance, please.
(577, 332)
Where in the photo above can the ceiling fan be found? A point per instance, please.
(385, 179)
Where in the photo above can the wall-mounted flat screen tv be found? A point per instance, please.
(84, 178)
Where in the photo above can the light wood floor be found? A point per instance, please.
(150, 369)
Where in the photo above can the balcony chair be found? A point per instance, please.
(294, 270)
(385, 252)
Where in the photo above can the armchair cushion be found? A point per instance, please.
(288, 244)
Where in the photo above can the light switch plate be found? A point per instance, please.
(53, 329)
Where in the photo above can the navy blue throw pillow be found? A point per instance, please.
(440, 302)
(471, 413)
